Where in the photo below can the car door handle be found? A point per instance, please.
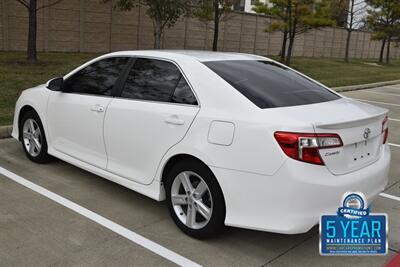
(174, 120)
(97, 108)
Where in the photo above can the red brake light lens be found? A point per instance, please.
(385, 135)
(305, 146)
(385, 129)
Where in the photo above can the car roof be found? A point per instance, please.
(199, 55)
(215, 56)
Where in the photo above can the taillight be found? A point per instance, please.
(305, 146)
(385, 129)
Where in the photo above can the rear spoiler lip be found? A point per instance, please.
(347, 123)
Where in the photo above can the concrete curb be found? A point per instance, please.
(5, 131)
(364, 86)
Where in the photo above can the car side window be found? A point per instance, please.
(97, 78)
(157, 80)
(183, 94)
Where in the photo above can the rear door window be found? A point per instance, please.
(157, 80)
(183, 94)
(269, 85)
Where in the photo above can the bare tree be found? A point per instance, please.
(163, 13)
(32, 7)
(354, 11)
(295, 17)
(215, 11)
(384, 20)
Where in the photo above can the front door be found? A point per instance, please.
(76, 115)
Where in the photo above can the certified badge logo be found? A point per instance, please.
(353, 230)
(353, 206)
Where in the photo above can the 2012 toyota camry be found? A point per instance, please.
(226, 138)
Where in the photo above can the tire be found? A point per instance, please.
(33, 137)
(204, 198)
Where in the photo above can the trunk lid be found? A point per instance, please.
(361, 139)
(358, 124)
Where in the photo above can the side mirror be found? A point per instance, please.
(55, 84)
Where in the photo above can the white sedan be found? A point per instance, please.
(226, 138)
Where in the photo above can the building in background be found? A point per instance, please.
(246, 5)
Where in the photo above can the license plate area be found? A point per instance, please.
(365, 151)
(362, 150)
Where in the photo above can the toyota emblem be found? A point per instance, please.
(367, 131)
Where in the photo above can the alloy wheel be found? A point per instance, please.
(32, 137)
(191, 200)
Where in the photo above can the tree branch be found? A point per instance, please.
(48, 5)
(24, 3)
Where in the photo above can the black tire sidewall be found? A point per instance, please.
(216, 223)
(42, 157)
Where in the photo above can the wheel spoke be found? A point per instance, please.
(203, 210)
(36, 133)
(26, 135)
(190, 216)
(185, 180)
(31, 147)
(200, 189)
(179, 200)
(31, 126)
(37, 144)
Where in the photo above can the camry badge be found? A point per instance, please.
(367, 131)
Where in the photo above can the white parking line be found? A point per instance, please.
(379, 93)
(122, 231)
(394, 120)
(390, 196)
(396, 145)
(378, 102)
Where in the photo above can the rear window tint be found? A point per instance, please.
(269, 85)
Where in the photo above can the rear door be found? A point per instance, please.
(76, 115)
(153, 112)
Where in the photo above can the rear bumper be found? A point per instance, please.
(292, 200)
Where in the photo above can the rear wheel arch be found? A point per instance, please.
(183, 157)
(179, 158)
(174, 160)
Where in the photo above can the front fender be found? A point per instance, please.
(36, 98)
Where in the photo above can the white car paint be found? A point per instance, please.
(73, 126)
(130, 142)
(146, 127)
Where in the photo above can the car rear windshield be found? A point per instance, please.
(269, 85)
